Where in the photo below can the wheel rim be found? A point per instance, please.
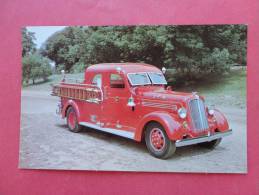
(157, 139)
(72, 120)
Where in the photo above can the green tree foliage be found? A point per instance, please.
(35, 67)
(63, 47)
(78, 68)
(28, 45)
(193, 51)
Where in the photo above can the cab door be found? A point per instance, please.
(118, 115)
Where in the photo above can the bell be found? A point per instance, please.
(131, 102)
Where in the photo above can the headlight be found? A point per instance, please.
(182, 113)
(211, 112)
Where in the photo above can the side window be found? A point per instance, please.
(97, 80)
(116, 81)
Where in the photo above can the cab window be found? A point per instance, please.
(116, 81)
(97, 80)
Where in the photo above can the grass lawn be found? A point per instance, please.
(229, 90)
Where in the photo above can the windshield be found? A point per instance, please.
(139, 79)
(157, 78)
(147, 78)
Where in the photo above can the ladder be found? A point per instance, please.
(76, 91)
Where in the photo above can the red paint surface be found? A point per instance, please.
(15, 14)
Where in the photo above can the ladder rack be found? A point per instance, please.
(78, 91)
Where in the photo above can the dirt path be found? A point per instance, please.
(46, 143)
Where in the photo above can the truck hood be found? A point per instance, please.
(159, 93)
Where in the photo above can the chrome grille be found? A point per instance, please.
(198, 115)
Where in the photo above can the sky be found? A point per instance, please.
(43, 32)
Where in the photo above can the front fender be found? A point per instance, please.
(221, 121)
(166, 120)
(74, 105)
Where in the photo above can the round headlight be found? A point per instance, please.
(182, 113)
(211, 112)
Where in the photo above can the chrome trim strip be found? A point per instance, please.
(157, 105)
(191, 141)
(122, 133)
(163, 107)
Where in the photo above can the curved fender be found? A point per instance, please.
(222, 123)
(74, 105)
(166, 120)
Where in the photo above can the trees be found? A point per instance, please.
(28, 45)
(194, 51)
(64, 47)
(34, 66)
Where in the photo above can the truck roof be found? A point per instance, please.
(125, 67)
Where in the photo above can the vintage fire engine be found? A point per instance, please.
(131, 100)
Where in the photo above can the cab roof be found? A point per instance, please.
(125, 67)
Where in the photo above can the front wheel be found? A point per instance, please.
(72, 121)
(211, 144)
(158, 142)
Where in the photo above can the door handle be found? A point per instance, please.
(117, 98)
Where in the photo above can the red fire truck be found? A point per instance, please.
(131, 100)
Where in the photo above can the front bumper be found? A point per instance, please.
(208, 138)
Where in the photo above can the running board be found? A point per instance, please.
(121, 133)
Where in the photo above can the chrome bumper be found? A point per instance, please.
(208, 138)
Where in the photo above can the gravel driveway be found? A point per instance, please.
(46, 143)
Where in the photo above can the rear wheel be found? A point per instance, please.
(211, 144)
(72, 121)
(158, 142)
